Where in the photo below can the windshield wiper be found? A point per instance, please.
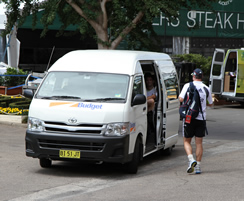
(103, 99)
(46, 97)
(60, 97)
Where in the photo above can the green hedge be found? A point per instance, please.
(3, 104)
(20, 104)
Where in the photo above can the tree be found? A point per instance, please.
(109, 21)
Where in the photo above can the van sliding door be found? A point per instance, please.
(170, 92)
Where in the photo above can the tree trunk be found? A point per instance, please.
(101, 25)
(102, 42)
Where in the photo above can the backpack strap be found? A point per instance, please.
(206, 91)
(189, 93)
(191, 90)
(192, 87)
(200, 104)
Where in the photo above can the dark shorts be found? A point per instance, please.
(196, 128)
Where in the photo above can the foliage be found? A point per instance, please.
(108, 21)
(201, 62)
(13, 80)
(1, 80)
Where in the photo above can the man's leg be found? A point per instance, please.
(188, 149)
(199, 152)
(199, 148)
(187, 146)
(150, 104)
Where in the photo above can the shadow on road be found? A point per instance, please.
(82, 169)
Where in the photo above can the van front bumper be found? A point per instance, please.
(92, 148)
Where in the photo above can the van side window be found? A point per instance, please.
(171, 84)
(137, 86)
(231, 63)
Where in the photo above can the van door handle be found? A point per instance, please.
(144, 109)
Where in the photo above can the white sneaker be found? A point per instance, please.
(191, 166)
(198, 169)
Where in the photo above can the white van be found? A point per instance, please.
(91, 106)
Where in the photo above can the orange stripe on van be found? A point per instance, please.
(75, 105)
(58, 103)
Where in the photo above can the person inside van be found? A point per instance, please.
(151, 98)
(151, 91)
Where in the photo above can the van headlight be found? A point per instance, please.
(117, 129)
(35, 124)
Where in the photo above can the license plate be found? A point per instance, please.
(69, 154)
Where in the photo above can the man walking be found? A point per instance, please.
(197, 127)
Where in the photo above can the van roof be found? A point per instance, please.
(108, 61)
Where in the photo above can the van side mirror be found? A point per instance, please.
(139, 99)
(28, 93)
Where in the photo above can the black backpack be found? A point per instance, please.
(191, 105)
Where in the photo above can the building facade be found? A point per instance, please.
(201, 31)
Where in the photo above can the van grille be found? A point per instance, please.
(58, 144)
(60, 127)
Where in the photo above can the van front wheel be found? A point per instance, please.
(45, 163)
(132, 166)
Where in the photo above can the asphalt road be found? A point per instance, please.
(158, 178)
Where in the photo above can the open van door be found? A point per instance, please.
(217, 72)
(169, 104)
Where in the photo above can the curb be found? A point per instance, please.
(13, 124)
(12, 120)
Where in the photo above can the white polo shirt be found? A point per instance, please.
(203, 96)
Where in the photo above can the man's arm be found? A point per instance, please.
(181, 99)
(151, 97)
(183, 92)
(209, 99)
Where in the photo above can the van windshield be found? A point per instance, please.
(84, 86)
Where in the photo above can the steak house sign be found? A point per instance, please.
(227, 20)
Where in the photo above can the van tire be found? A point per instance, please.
(132, 166)
(45, 162)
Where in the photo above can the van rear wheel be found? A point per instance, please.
(132, 166)
(45, 162)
